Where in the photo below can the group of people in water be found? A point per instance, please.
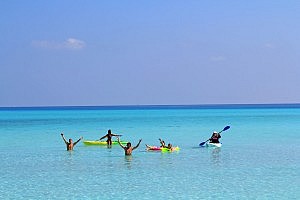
(128, 148)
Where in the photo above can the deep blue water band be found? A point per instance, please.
(150, 107)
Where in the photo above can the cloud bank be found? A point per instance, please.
(69, 44)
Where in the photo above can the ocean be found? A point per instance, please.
(259, 157)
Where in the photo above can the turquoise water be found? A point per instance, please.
(259, 158)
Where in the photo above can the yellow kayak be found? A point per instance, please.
(170, 150)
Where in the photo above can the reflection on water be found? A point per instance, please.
(128, 160)
(68, 161)
(215, 156)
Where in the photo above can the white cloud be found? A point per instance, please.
(217, 58)
(73, 43)
(70, 43)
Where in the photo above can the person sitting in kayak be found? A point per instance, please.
(169, 146)
(109, 135)
(215, 137)
(128, 148)
(70, 145)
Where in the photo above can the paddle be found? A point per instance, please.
(224, 129)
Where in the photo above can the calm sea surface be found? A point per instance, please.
(259, 159)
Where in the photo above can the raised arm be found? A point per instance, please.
(162, 143)
(103, 137)
(62, 135)
(77, 141)
(120, 143)
(116, 135)
(137, 145)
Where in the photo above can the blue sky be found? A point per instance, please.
(149, 52)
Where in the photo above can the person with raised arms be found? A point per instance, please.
(70, 145)
(128, 148)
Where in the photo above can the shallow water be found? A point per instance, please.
(259, 158)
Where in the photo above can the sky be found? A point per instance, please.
(149, 52)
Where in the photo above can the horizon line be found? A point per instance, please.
(231, 105)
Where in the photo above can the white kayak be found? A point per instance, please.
(209, 144)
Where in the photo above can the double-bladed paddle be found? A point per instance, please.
(224, 129)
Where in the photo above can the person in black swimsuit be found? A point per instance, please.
(109, 135)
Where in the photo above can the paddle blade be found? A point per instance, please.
(202, 143)
(226, 128)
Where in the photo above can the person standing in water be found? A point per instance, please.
(70, 145)
(109, 135)
(128, 148)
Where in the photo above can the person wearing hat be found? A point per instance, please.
(215, 137)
